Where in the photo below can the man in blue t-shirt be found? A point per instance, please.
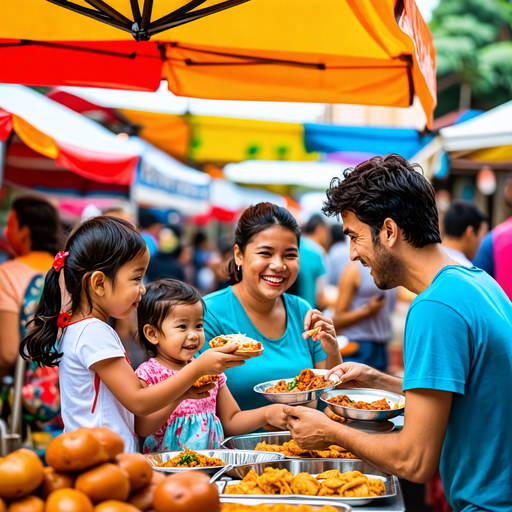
(457, 346)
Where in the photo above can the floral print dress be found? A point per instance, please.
(193, 423)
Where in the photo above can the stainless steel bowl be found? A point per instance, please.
(233, 457)
(315, 467)
(302, 397)
(282, 500)
(366, 395)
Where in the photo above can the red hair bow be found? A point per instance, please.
(58, 262)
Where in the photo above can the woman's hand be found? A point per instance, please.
(194, 393)
(327, 336)
(217, 360)
(275, 416)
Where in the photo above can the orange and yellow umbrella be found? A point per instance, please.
(372, 52)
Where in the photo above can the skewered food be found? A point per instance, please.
(191, 459)
(330, 483)
(245, 344)
(292, 449)
(306, 381)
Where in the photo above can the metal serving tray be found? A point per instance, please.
(315, 467)
(260, 500)
(232, 457)
(366, 395)
(249, 442)
(302, 397)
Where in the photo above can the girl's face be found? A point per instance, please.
(182, 333)
(122, 297)
(270, 263)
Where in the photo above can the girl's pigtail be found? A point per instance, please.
(40, 344)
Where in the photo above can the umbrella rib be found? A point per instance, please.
(146, 15)
(136, 11)
(90, 13)
(173, 15)
(110, 11)
(194, 15)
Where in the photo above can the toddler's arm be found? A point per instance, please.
(147, 425)
(236, 422)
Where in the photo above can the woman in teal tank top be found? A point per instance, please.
(265, 265)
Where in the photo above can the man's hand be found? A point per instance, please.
(375, 305)
(354, 375)
(198, 393)
(309, 427)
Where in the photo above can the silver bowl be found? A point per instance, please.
(302, 397)
(315, 467)
(232, 457)
(366, 395)
(282, 500)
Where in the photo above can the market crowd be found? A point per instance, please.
(125, 305)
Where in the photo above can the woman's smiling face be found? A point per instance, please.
(270, 263)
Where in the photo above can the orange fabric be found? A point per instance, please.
(34, 138)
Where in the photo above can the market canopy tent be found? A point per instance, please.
(327, 51)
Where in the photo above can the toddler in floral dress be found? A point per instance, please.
(170, 327)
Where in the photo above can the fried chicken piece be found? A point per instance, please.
(304, 483)
(204, 380)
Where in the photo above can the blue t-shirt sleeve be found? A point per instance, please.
(437, 347)
(485, 256)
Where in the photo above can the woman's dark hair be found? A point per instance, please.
(101, 244)
(253, 221)
(42, 220)
(385, 187)
(157, 304)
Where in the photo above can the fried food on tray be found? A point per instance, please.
(191, 459)
(238, 507)
(292, 449)
(378, 405)
(330, 484)
(205, 379)
(244, 343)
(306, 381)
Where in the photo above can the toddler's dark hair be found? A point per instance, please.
(157, 304)
(101, 244)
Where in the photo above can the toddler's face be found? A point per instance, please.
(183, 333)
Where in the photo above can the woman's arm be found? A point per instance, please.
(9, 341)
(122, 382)
(349, 282)
(147, 425)
(236, 422)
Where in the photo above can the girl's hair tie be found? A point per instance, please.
(58, 262)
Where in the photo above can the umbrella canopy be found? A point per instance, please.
(328, 51)
(74, 142)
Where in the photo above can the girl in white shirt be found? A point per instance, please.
(99, 275)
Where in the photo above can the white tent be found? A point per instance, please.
(491, 129)
(315, 175)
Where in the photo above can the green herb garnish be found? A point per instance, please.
(352, 401)
(187, 459)
(292, 384)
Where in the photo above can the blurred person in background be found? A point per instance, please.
(363, 313)
(150, 228)
(119, 212)
(338, 256)
(312, 277)
(220, 261)
(464, 227)
(33, 233)
(165, 264)
(495, 253)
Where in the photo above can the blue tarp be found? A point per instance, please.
(376, 140)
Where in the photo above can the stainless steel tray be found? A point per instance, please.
(302, 397)
(315, 467)
(366, 395)
(260, 500)
(249, 442)
(233, 457)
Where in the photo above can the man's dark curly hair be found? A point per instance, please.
(385, 187)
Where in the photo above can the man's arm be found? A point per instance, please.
(9, 341)
(412, 454)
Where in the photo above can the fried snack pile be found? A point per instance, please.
(292, 449)
(238, 507)
(205, 379)
(330, 483)
(244, 342)
(344, 401)
(191, 459)
(306, 381)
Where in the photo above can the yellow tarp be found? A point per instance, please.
(497, 154)
(221, 139)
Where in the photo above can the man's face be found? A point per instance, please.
(386, 267)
